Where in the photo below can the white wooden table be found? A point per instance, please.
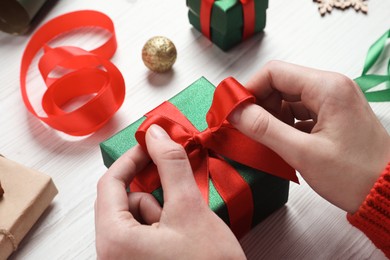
(308, 227)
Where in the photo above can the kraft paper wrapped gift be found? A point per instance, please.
(27, 193)
(227, 20)
(269, 192)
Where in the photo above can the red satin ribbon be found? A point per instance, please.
(86, 78)
(205, 149)
(248, 9)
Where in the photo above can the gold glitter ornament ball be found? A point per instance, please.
(159, 54)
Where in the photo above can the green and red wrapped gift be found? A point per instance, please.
(242, 180)
(227, 22)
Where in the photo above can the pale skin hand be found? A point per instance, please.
(338, 145)
(134, 226)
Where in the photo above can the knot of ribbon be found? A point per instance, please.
(208, 149)
(368, 81)
(201, 139)
(249, 15)
(91, 73)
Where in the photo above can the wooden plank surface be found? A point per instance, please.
(308, 227)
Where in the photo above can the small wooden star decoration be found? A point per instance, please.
(326, 6)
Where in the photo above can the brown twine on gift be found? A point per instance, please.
(10, 237)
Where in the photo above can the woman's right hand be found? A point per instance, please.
(320, 123)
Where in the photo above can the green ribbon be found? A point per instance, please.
(369, 81)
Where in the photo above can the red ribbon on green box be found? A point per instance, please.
(205, 150)
(248, 8)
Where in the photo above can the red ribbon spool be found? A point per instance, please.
(86, 77)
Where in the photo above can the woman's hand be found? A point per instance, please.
(134, 226)
(320, 123)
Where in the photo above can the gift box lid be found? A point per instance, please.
(228, 15)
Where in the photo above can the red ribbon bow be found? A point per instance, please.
(205, 149)
(248, 9)
(85, 78)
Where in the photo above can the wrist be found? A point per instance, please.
(370, 170)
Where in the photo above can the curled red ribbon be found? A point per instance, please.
(248, 9)
(205, 149)
(86, 78)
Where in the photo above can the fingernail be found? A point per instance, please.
(157, 132)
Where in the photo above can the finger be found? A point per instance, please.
(175, 171)
(111, 189)
(260, 125)
(144, 207)
(285, 110)
(294, 83)
(272, 103)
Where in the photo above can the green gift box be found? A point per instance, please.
(269, 192)
(227, 20)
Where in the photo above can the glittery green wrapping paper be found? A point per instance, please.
(227, 20)
(269, 192)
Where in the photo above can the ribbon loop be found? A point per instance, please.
(202, 138)
(227, 96)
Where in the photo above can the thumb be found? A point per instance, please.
(174, 168)
(257, 123)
